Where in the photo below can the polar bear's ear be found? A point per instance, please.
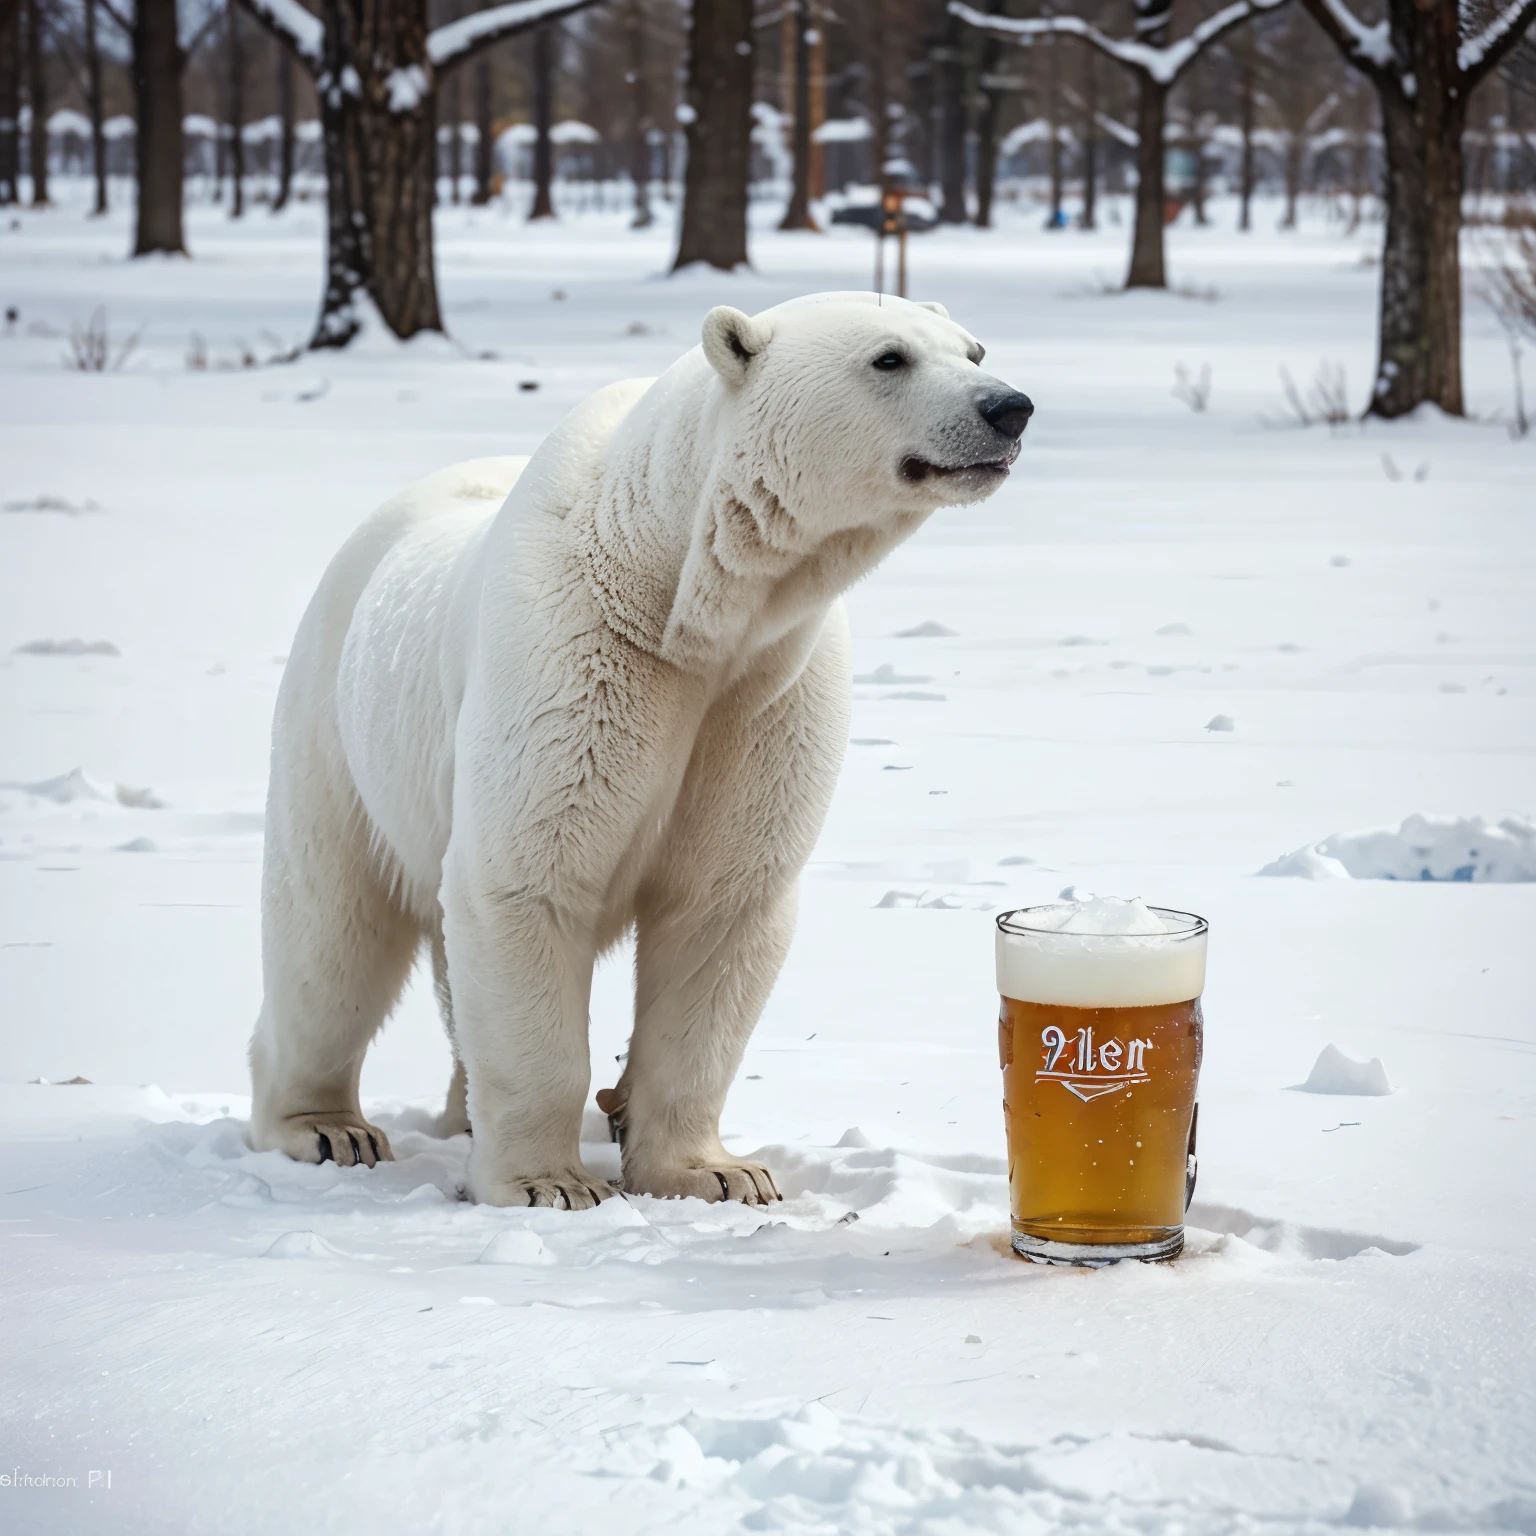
(937, 308)
(731, 341)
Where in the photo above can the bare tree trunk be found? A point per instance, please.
(37, 99)
(798, 214)
(1090, 138)
(158, 60)
(1053, 118)
(10, 102)
(1295, 152)
(719, 129)
(543, 116)
(485, 133)
(950, 85)
(816, 167)
(640, 115)
(879, 95)
(94, 109)
(1197, 129)
(1147, 269)
(453, 120)
(402, 140)
(1359, 171)
(348, 208)
(986, 138)
(1511, 124)
(236, 114)
(1248, 91)
(379, 142)
(1421, 261)
(285, 128)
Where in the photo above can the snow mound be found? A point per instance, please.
(929, 629)
(516, 1246)
(1220, 723)
(66, 789)
(139, 799)
(302, 1245)
(1334, 1072)
(1423, 848)
(77, 785)
(1379, 1504)
(48, 503)
(810, 1469)
(73, 647)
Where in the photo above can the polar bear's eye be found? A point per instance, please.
(888, 362)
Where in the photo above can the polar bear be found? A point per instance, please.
(530, 710)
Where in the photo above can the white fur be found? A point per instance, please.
(618, 702)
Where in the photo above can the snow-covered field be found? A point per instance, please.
(1178, 647)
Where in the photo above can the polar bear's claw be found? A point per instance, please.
(565, 1193)
(332, 1138)
(750, 1183)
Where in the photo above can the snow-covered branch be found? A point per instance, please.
(1477, 55)
(301, 30)
(1369, 49)
(456, 41)
(1122, 133)
(1213, 28)
(1132, 55)
(1163, 64)
(1320, 114)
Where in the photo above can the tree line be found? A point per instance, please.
(935, 84)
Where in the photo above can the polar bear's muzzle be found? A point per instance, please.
(1007, 414)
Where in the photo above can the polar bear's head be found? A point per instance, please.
(853, 406)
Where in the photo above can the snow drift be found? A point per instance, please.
(1423, 848)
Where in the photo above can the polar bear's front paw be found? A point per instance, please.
(727, 1179)
(572, 1191)
(330, 1136)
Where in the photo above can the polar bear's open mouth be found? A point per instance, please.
(916, 470)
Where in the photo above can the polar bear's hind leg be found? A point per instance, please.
(337, 948)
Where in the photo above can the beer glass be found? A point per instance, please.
(1100, 1038)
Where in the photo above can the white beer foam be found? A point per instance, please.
(1105, 952)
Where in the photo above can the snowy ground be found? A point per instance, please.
(249, 1345)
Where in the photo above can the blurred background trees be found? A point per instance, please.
(712, 117)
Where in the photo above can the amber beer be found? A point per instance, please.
(1100, 1039)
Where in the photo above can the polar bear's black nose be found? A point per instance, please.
(1008, 413)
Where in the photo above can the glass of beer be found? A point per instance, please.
(1100, 1038)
